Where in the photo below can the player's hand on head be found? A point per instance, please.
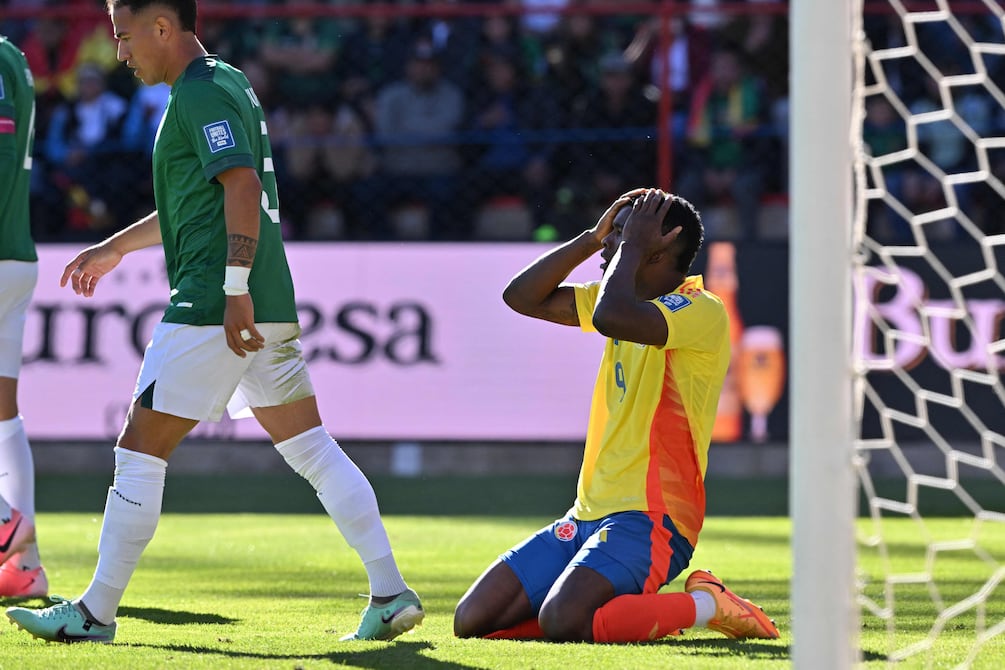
(644, 227)
(239, 325)
(606, 222)
(87, 267)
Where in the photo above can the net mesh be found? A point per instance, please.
(928, 345)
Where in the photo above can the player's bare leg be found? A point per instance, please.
(495, 602)
(567, 612)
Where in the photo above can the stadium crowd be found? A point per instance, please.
(503, 123)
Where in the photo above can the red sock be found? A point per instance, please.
(643, 617)
(525, 630)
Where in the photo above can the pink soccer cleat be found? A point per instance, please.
(15, 533)
(18, 582)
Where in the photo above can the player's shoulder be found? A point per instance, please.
(691, 292)
(11, 54)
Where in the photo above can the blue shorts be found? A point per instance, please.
(638, 552)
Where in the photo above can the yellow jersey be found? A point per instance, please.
(652, 411)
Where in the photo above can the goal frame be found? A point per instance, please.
(823, 490)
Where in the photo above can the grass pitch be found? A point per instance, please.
(267, 590)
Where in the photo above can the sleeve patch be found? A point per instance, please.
(675, 301)
(218, 136)
(7, 126)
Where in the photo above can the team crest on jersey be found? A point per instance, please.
(566, 531)
(675, 301)
(2, 96)
(218, 136)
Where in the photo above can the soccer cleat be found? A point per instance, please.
(15, 533)
(16, 582)
(62, 622)
(735, 617)
(388, 621)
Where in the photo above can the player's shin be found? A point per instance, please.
(349, 499)
(132, 510)
(643, 617)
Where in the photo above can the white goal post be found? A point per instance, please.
(822, 478)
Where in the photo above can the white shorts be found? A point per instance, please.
(189, 371)
(17, 283)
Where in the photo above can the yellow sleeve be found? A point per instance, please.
(586, 301)
(696, 321)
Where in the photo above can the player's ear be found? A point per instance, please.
(163, 27)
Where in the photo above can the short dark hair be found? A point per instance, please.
(187, 10)
(692, 234)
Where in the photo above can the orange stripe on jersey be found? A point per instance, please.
(660, 553)
(674, 482)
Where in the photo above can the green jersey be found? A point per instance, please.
(17, 134)
(214, 122)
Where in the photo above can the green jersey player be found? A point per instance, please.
(21, 572)
(228, 339)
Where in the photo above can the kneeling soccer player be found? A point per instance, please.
(594, 575)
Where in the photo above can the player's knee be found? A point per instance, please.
(564, 624)
(464, 619)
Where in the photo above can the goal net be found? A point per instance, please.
(928, 243)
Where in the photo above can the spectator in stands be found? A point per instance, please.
(503, 31)
(415, 119)
(618, 126)
(83, 147)
(572, 53)
(725, 137)
(943, 143)
(139, 130)
(508, 115)
(762, 36)
(884, 132)
(302, 51)
(455, 39)
(144, 116)
(326, 150)
(235, 38)
(373, 55)
(678, 65)
(17, 29)
(56, 47)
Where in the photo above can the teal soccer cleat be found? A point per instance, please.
(62, 622)
(388, 621)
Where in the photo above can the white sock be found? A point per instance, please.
(132, 510)
(349, 499)
(17, 469)
(704, 607)
(17, 481)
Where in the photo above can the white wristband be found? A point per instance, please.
(235, 280)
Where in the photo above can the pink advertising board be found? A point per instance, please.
(405, 342)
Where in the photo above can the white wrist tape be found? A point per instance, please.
(235, 280)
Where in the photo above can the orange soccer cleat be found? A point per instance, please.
(735, 617)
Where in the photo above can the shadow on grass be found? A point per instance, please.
(175, 617)
(713, 647)
(393, 655)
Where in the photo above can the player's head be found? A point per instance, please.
(187, 10)
(680, 213)
(156, 38)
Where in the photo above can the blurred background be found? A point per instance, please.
(464, 120)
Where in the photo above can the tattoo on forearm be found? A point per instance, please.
(241, 249)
